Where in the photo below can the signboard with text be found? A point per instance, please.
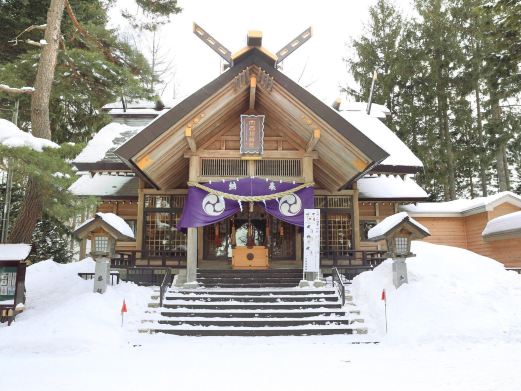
(7, 284)
(252, 134)
(312, 240)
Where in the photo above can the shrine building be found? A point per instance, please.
(221, 179)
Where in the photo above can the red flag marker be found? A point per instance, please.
(384, 298)
(123, 310)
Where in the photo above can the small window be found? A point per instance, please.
(365, 226)
(401, 245)
(101, 244)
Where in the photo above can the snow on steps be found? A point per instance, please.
(253, 312)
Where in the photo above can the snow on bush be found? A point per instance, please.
(11, 136)
(62, 312)
(452, 294)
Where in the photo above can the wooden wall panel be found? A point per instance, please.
(502, 209)
(507, 251)
(386, 209)
(367, 208)
(450, 231)
(475, 226)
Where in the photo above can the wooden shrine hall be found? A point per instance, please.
(220, 179)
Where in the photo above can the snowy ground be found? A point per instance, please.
(455, 326)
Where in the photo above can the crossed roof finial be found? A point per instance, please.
(254, 39)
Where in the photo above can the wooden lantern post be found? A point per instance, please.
(398, 231)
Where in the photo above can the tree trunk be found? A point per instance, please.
(482, 157)
(32, 207)
(501, 168)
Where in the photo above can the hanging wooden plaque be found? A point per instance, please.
(252, 134)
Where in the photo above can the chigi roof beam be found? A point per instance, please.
(213, 43)
(293, 45)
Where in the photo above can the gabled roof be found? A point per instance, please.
(390, 223)
(462, 207)
(110, 222)
(374, 153)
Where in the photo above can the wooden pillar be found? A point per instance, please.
(307, 173)
(191, 238)
(83, 248)
(307, 168)
(356, 218)
(140, 217)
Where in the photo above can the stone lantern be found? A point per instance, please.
(398, 231)
(103, 230)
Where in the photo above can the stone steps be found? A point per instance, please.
(254, 312)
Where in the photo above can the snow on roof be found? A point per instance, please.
(462, 206)
(390, 222)
(377, 111)
(114, 221)
(385, 138)
(386, 187)
(503, 224)
(108, 138)
(105, 185)
(11, 136)
(14, 252)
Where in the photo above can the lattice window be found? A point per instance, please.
(161, 235)
(101, 244)
(278, 168)
(334, 202)
(222, 167)
(164, 201)
(157, 201)
(336, 234)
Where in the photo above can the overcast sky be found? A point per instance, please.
(317, 65)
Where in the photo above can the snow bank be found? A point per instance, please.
(11, 136)
(14, 252)
(502, 224)
(63, 314)
(452, 295)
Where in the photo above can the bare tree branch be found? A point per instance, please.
(16, 91)
(30, 28)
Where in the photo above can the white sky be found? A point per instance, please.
(334, 22)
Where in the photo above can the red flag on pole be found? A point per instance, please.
(124, 307)
(384, 298)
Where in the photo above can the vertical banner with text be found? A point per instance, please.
(312, 240)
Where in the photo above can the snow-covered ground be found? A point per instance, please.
(455, 326)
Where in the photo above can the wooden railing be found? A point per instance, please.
(127, 259)
(354, 257)
(350, 263)
(337, 281)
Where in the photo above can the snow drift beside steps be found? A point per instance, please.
(452, 294)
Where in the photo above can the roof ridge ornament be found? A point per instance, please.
(253, 40)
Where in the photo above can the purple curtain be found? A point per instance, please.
(203, 208)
